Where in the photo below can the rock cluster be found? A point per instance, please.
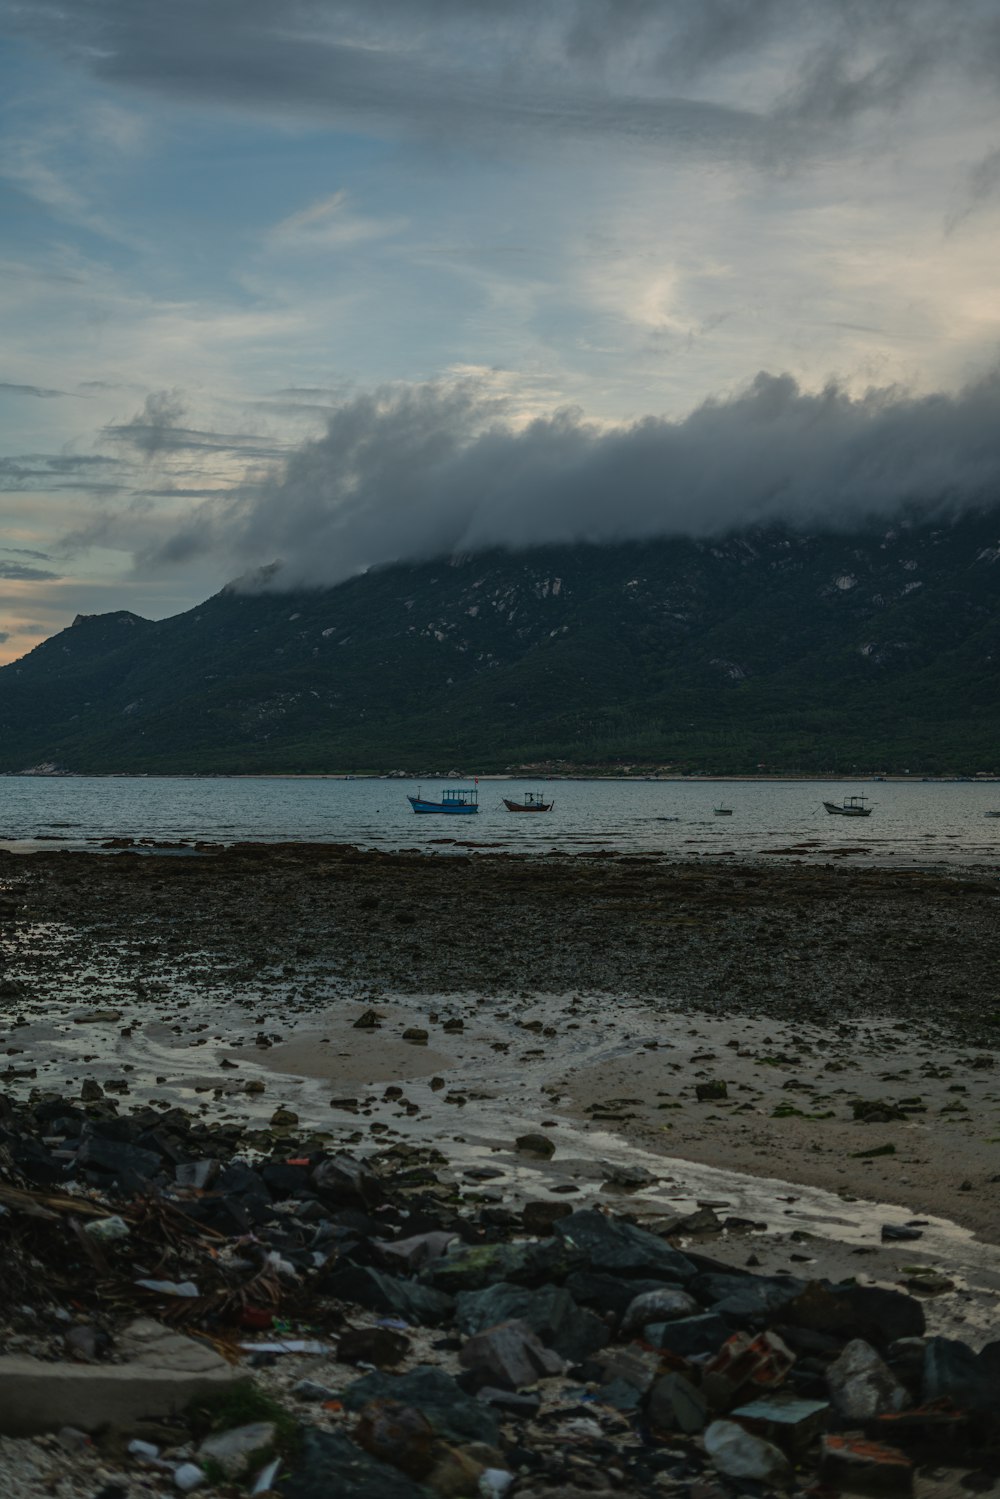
(436, 1346)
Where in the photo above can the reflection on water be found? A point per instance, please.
(913, 822)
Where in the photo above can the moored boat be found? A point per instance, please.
(532, 801)
(723, 811)
(452, 800)
(851, 806)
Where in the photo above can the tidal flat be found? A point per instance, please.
(850, 1016)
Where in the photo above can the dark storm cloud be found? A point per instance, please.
(10, 388)
(433, 470)
(156, 431)
(629, 68)
(26, 552)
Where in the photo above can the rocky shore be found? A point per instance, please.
(193, 1308)
(339, 1095)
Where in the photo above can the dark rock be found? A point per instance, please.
(398, 1435)
(388, 1293)
(453, 1414)
(893, 1233)
(283, 1180)
(539, 1217)
(610, 1293)
(878, 1315)
(510, 1356)
(33, 1160)
(417, 1250)
(310, 1390)
(754, 1303)
(343, 1180)
(675, 1404)
(511, 1402)
(550, 1312)
(535, 1144)
(369, 1021)
(690, 1335)
(196, 1174)
(953, 1371)
(862, 1386)
(622, 1395)
(473, 1267)
(637, 1366)
(619, 1247)
(663, 1305)
(372, 1345)
(328, 1463)
(882, 1315)
(876, 1111)
(708, 1092)
(123, 1163)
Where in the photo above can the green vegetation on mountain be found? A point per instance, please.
(873, 650)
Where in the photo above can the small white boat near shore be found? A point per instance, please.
(851, 806)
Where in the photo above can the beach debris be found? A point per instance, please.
(739, 1454)
(390, 1337)
(235, 1451)
(860, 1466)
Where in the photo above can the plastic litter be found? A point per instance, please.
(189, 1477)
(290, 1345)
(266, 1477)
(107, 1230)
(170, 1287)
(494, 1483)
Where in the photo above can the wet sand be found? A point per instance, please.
(594, 995)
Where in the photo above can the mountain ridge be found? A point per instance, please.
(794, 651)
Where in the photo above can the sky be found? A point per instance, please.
(331, 284)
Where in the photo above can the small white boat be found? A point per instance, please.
(851, 806)
(723, 811)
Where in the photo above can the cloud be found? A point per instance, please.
(330, 224)
(50, 472)
(29, 390)
(27, 552)
(650, 70)
(983, 184)
(19, 572)
(156, 431)
(421, 471)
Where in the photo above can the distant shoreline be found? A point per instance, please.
(981, 778)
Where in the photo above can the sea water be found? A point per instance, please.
(913, 822)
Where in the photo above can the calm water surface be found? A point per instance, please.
(916, 822)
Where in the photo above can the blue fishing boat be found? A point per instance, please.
(453, 800)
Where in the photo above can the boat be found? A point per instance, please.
(992, 814)
(723, 811)
(531, 801)
(851, 806)
(453, 800)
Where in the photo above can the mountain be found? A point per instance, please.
(873, 650)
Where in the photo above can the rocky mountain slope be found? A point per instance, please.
(876, 649)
